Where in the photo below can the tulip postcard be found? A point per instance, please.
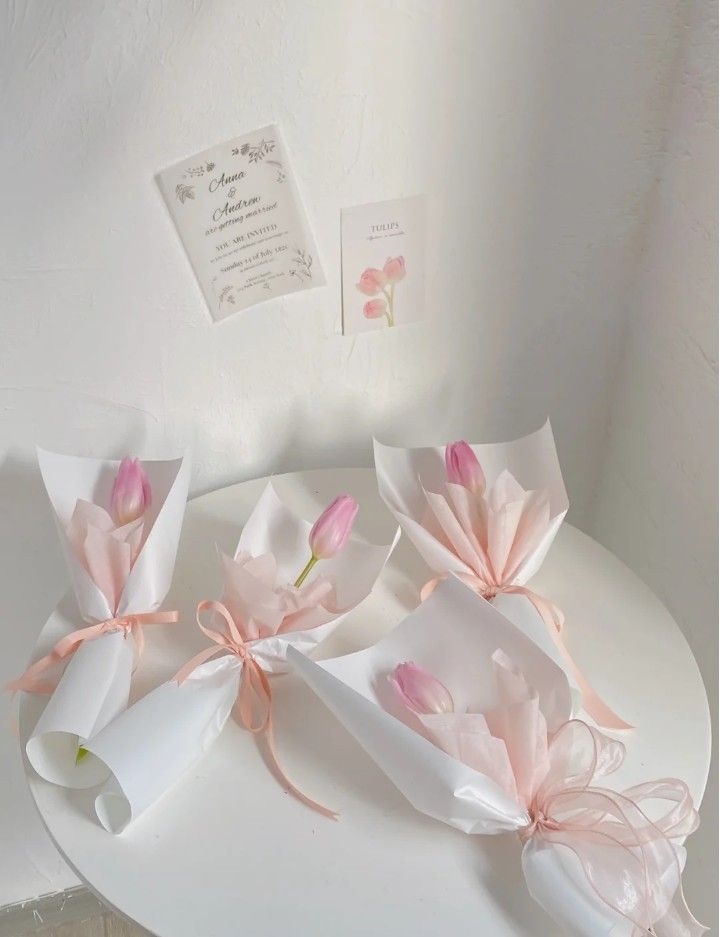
(383, 264)
(238, 211)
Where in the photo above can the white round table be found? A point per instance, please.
(227, 852)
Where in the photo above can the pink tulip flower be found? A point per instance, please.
(375, 309)
(394, 269)
(131, 492)
(463, 468)
(330, 532)
(372, 281)
(420, 691)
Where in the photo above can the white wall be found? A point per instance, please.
(537, 127)
(657, 499)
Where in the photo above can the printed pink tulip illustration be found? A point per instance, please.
(420, 691)
(330, 532)
(463, 468)
(375, 309)
(394, 269)
(374, 282)
(131, 493)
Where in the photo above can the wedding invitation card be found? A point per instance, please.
(383, 264)
(240, 217)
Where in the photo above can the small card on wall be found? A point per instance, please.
(383, 264)
(240, 217)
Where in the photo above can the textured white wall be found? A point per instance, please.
(657, 500)
(536, 127)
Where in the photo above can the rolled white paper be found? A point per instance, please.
(166, 731)
(154, 742)
(95, 685)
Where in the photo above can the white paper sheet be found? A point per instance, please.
(453, 634)
(152, 744)
(239, 214)
(95, 685)
(371, 235)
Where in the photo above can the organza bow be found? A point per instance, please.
(628, 858)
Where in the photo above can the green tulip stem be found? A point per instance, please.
(304, 574)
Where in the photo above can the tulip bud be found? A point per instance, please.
(375, 309)
(394, 269)
(131, 493)
(463, 468)
(372, 281)
(420, 691)
(330, 532)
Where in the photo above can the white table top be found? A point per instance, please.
(227, 851)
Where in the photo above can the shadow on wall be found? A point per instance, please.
(32, 579)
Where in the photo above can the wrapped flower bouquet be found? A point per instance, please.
(119, 524)
(473, 723)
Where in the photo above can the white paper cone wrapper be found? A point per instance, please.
(92, 690)
(453, 634)
(160, 737)
(95, 685)
(153, 743)
(403, 474)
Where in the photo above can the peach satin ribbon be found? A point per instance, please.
(628, 859)
(254, 696)
(553, 619)
(31, 681)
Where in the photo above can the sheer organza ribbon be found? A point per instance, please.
(628, 859)
(553, 619)
(254, 702)
(31, 681)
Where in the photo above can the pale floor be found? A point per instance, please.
(100, 925)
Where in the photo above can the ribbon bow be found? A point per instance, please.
(553, 619)
(254, 694)
(30, 681)
(628, 859)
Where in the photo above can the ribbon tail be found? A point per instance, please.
(30, 681)
(255, 684)
(592, 701)
(287, 783)
(67, 645)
